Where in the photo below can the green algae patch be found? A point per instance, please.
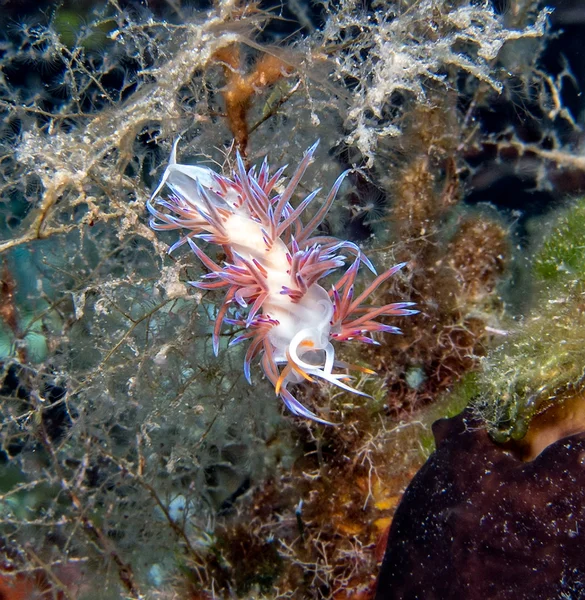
(542, 361)
(448, 405)
(562, 255)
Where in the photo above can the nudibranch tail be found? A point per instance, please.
(273, 267)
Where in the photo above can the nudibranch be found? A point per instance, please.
(272, 268)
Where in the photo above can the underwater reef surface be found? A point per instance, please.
(476, 522)
(134, 462)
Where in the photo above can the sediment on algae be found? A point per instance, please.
(542, 363)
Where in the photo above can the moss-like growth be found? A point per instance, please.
(478, 253)
(542, 362)
(457, 257)
(449, 405)
(562, 256)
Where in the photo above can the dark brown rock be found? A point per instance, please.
(477, 523)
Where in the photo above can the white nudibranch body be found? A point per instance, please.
(273, 266)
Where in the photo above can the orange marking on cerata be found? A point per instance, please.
(280, 379)
(292, 365)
